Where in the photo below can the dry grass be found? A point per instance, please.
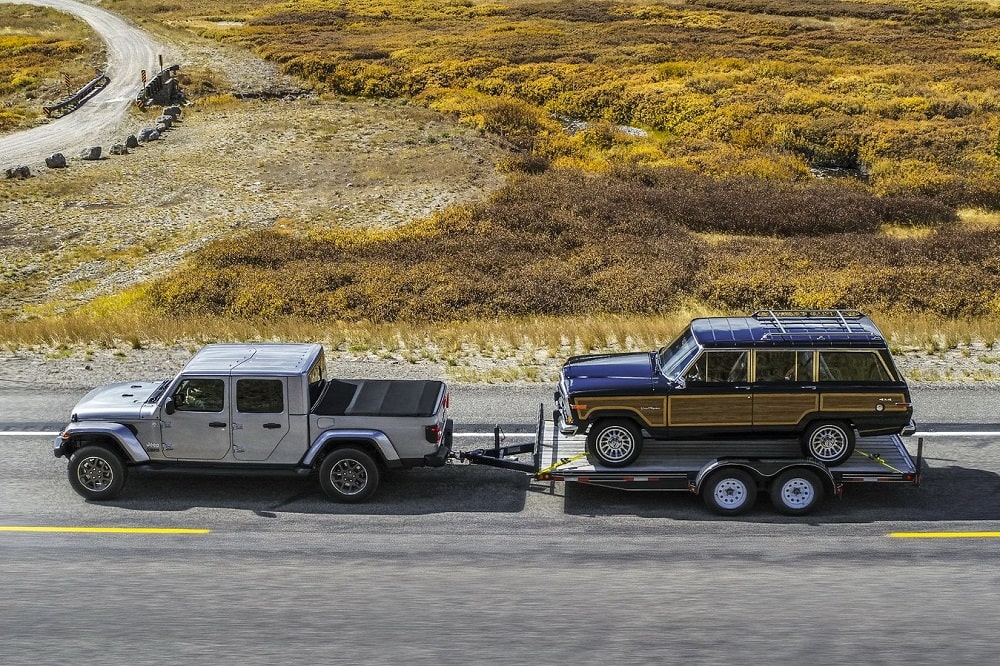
(44, 56)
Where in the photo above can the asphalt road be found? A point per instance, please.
(468, 565)
(129, 50)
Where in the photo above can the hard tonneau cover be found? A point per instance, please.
(378, 397)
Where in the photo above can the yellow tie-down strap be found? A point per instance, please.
(879, 459)
(560, 463)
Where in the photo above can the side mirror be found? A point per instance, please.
(168, 406)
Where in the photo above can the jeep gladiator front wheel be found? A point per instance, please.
(96, 473)
(615, 443)
(349, 475)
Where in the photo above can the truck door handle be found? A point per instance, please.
(809, 388)
(272, 426)
(217, 424)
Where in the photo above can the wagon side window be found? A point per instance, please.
(783, 366)
(846, 366)
(719, 367)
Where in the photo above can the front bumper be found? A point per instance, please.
(565, 429)
(57, 446)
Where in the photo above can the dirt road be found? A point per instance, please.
(130, 50)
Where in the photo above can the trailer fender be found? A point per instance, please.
(377, 438)
(124, 437)
(764, 470)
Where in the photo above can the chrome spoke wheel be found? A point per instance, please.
(615, 444)
(828, 443)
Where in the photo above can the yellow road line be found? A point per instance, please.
(945, 535)
(105, 530)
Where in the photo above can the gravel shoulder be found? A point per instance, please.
(82, 368)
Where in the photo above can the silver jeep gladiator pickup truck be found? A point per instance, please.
(257, 407)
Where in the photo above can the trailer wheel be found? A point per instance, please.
(830, 442)
(349, 475)
(729, 492)
(796, 492)
(96, 473)
(615, 443)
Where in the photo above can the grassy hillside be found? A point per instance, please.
(662, 155)
(904, 92)
(44, 55)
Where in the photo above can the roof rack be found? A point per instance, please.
(818, 324)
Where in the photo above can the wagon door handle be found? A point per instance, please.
(272, 426)
(217, 424)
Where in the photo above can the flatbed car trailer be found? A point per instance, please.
(728, 474)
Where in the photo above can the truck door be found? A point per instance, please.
(716, 395)
(199, 427)
(260, 417)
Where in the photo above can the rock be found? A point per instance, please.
(174, 111)
(131, 141)
(19, 171)
(148, 134)
(56, 161)
(161, 128)
(92, 153)
(165, 120)
(119, 149)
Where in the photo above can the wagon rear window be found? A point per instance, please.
(843, 366)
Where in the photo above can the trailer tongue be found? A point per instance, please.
(728, 474)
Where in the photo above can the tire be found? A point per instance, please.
(830, 442)
(615, 443)
(349, 475)
(96, 473)
(729, 492)
(796, 492)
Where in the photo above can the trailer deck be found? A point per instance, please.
(687, 464)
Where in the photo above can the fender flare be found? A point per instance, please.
(116, 431)
(376, 437)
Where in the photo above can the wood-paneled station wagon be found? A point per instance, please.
(823, 376)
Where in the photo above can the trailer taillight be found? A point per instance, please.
(433, 433)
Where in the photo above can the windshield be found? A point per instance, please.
(677, 355)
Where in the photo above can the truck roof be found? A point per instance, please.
(255, 358)
(810, 328)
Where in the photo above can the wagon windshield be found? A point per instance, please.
(676, 356)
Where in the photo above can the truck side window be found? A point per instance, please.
(843, 366)
(200, 395)
(719, 367)
(260, 396)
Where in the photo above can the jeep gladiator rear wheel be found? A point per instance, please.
(96, 473)
(830, 442)
(349, 475)
(615, 443)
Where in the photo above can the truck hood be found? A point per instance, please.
(609, 372)
(115, 401)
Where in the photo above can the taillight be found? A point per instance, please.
(447, 400)
(433, 433)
